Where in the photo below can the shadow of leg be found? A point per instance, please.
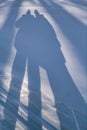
(67, 99)
(34, 110)
(13, 97)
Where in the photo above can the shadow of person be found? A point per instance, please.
(78, 40)
(46, 52)
(25, 48)
(23, 38)
(37, 45)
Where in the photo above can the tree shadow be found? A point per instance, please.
(3, 3)
(6, 40)
(37, 45)
(79, 2)
(7, 34)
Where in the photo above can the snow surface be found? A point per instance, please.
(43, 65)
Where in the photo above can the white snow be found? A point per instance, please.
(61, 93)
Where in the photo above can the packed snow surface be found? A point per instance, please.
(43, 65)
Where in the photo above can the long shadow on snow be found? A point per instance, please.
(37, 45)
(22, 44)
(67, 91)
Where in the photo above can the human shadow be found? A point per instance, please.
(50, 57)
(68, 87)
(23, 38)
(37, 45)
(25, 47)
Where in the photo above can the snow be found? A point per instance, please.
(43, 65)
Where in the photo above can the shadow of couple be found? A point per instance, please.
(36, 45)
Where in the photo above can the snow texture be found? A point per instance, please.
(43, 65)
